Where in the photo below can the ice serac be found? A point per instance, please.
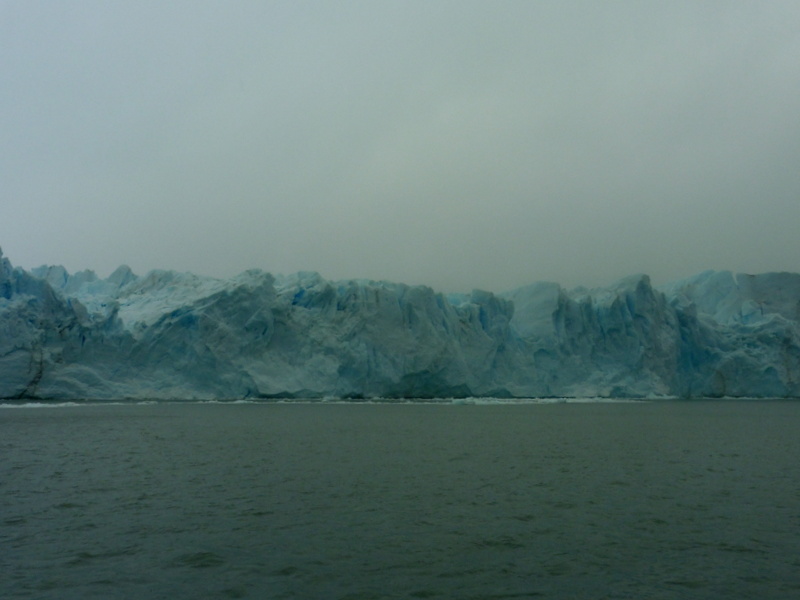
(624, 340)
(755, 320)
(179, 335)
(36, 323)
(365, 338)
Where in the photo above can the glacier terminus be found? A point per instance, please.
(170, 335)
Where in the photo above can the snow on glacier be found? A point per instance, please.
(179, 335)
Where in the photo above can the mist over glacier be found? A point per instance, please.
(171, 335)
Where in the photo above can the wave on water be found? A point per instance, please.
(39, 404)
(73, 404)
(472, 401)
(492, 401)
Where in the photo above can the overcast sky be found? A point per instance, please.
(454, 144)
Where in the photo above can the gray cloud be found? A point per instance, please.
(456, 144)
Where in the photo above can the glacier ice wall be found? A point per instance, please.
(179, 335)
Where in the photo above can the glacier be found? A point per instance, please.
(170, 335)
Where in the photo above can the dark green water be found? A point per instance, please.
(640, 500)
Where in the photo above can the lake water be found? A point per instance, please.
(364, 501)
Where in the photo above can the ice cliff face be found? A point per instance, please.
(178, 335)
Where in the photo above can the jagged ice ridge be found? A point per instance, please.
(169, 335)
